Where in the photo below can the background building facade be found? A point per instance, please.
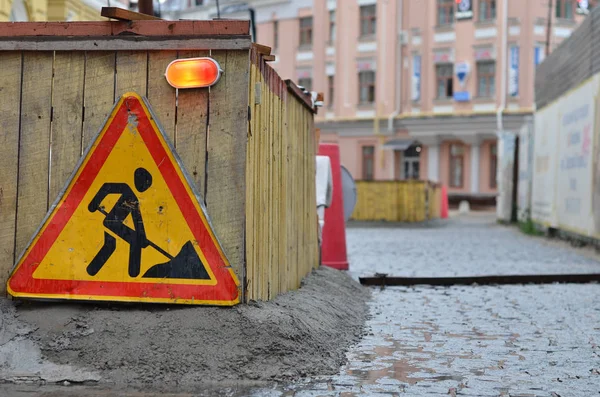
(413, 88)
(55, 10)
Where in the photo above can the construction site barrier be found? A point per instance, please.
(281, 225)
(248, 143)
(397, 201)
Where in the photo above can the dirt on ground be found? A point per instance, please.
(299, 334)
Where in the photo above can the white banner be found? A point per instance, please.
(575, 159)
(544, 166)
(566, 183)
(525, 172)
(416, 78)
(513, 72)
(506, 162)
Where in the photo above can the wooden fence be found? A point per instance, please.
(282, 245)
(397, 201)
(58, 90)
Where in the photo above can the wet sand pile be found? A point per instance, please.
(301, 333)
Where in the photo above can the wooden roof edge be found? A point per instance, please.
(262, 49)
(211, 28)
(298, 93)
(122, 14)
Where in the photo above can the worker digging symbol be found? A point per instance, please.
(186, 264)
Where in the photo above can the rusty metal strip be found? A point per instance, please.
(514, 279)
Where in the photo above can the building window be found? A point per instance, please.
(366, 86)
(486, 79)
(330, 91)
(487, 10)
(444, 75)
(305, 82)
(368, 20)
(493, 165)
(331, 27)
(368, 163)
(445, 12)
(306, 31)
(457, 165)
(564, 9)
(275, 34)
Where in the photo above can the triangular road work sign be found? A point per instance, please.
(128, 226)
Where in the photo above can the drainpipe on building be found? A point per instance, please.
(378, 102)
(499, 122)
(396, 112)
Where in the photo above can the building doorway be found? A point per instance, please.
(407, 162)
(412, 162)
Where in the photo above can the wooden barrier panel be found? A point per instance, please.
(281, 223)
(397, 201)
(248, 143)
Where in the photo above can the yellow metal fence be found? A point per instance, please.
(397, 201)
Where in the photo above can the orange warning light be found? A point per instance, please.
(193, 73)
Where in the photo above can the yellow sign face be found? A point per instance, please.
(128, 226)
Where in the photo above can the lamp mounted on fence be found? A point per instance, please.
(193, 73)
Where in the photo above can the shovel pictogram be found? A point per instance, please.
(186, 264)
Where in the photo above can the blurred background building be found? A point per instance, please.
(55, 10)
(413, 88)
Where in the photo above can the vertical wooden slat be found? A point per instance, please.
(32, 200)
(160, 94)
(67, 123)
(252, 271)
(99, 92)
(226, 186)
(10, 81)
(262, 160)
(249, 227)
(276, 288)
(269, 215)
(283, 220)
(190, 142)
(132, 73)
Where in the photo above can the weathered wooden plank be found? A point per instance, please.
(132, 73)
(67, 121)
(116, 28)
(191, 133)
(250, 202)
(32, 198)
(133, 43)
(284, 199)
(270, 198)
(126, 15)
(10, 81)
(259, 163)
(295, 191)
(227, 153)
(275, 287)
(160, 94)
(99, 93)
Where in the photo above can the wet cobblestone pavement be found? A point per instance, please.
(521, 340)
(518, 340)
(465, 246)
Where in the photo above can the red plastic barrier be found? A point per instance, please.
(444, 211)
(334, 232)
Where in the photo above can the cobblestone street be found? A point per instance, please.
(477, 340)
(501, 341)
